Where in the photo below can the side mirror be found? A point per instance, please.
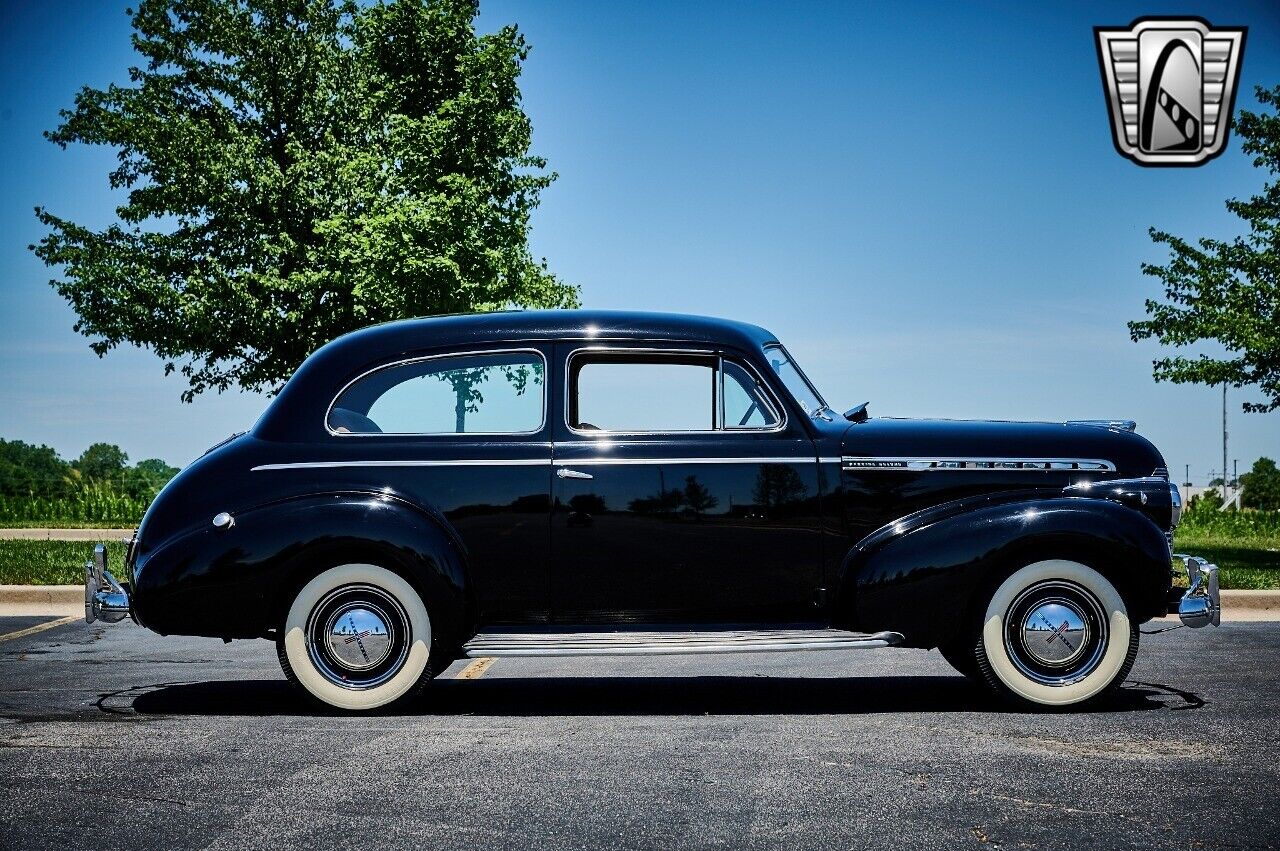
(857, 414)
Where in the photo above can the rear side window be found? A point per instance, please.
(487, 393)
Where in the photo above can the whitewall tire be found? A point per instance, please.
(1056, 633)
(357, 637)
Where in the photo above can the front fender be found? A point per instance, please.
(927, 581)
(237, 582)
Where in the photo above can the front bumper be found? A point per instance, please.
(1202, 604)
(105, 599)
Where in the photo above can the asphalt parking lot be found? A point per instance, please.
(111, 737)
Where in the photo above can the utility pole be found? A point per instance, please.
(1224, 444)
(1186, 478)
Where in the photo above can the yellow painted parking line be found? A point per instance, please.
(476, 669)
(41, 627)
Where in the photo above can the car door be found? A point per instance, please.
(467, 434)
(682, 491)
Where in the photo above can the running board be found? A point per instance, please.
(524, 642)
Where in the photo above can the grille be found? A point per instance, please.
(1160, 473)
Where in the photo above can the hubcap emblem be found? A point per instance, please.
(358, 637)
(1054, 632)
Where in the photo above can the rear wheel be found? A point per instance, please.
(357, 637)
(1056, 633)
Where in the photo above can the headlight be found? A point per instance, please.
(1175, 499)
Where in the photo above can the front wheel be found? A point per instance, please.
(357, 637)
(1056, 633)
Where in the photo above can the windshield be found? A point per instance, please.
(799, 387)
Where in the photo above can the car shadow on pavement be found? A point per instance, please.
(727, 695)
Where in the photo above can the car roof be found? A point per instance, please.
(314, 384)
(506, 325)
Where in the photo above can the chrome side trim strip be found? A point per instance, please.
(919, 464)
(535, 462)
(795, 459)
(451, 462)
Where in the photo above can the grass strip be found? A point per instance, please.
(52, 562)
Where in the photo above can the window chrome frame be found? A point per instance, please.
(770, 405)
(446, 435)
(717, 427)
(817, 394)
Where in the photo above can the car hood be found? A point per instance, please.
(887, 442)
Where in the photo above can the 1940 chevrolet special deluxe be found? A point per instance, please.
(577, 483)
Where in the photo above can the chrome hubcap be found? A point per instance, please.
(1056, 632)
(358, 636)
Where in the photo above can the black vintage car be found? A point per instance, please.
(578, 483)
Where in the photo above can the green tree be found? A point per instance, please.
(297, 169)
(156, 470)
(34, 471)
(144, 479)
(102, 462)
(1227, 292)
(1261, 485)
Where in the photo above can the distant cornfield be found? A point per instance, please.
(90, 502)
(1207, 519)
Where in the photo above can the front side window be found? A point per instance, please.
(489, 393)
(619, 392)
(793, 379)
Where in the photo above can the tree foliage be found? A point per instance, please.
(26, 469)
(297, 169)
(1261, 485)
(37, 472)
(101, 461)
(1227, 291)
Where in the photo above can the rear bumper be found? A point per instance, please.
(1201, 605)
(105, 599)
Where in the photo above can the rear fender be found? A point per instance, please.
(238, 582)
(928, 581)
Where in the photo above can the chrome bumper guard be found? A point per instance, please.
(1202, 604)
(105, 599)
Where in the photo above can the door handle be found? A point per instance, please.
(566, 473)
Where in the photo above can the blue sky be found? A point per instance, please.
(922, 200)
